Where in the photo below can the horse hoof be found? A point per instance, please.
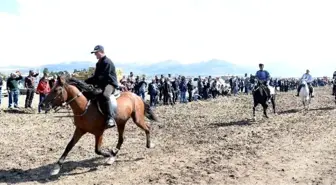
(151, 145)
(254, 119)
(56, 170)
(110, 160)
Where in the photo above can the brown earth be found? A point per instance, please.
(212, 142)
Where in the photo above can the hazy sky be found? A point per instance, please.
(298, 33)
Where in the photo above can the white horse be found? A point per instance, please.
(305, 95)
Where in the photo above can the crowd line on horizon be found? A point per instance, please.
(161, 90)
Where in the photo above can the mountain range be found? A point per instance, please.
(212, 67)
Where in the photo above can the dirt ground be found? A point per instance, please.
(212, 142)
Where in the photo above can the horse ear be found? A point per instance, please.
(61, 79)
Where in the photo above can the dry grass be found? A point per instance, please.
(202, 142)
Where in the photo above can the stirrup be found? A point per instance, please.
(110, 123)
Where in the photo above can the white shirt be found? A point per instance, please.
(307, 77)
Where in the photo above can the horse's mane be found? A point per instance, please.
(82, 86)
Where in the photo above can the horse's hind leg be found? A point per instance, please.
(273, 103)
(98, 144)
(75, 138)
(139, 120)
(121, 128)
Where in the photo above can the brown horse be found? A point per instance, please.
(89, 119)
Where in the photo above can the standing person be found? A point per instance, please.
(43, 89)
(247, 84)
(153, 92)
(1, 84)
(30, 86)
(52, 81)
(190, 89)
(142, 88)
(105, 77)
(13, 89)
(183, 90)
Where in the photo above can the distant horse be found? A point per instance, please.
(89, 118)
(259, 93)
(305, 94)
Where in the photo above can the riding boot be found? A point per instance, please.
(298, 91)
(110, 122)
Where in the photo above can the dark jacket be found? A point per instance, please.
(30, 81)
(105, 74)
(12, 83)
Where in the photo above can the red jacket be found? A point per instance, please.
(43, 87)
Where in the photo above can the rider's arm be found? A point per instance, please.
(257, 75)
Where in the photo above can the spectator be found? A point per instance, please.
(153, 92)
(190, 89)
(13, 90)
(30, 86)
(183, 90)
(52, 81)
(43, 89)
(142, 88)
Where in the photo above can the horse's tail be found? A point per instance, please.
(149, 112)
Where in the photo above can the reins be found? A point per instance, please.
(65, 103)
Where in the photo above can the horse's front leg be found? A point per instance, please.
(254, 108)
(75, 138)
(98, 144)
(265, 109)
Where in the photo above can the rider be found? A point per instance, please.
(105, 78)
(264, 76)
(309, 79)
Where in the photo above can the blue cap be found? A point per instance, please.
(97, 48)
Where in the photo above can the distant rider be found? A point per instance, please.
(309, 79)
(105, 78)
(263, 76)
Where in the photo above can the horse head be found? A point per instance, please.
(61, 94)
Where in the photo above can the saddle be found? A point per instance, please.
(114, 96)
(93, 93)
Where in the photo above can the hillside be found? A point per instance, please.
(210, 67)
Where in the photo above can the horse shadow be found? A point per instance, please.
(244, 122)
(42, 174)
(292, 111)
(289, 111)
(323, 108)
(17, 111)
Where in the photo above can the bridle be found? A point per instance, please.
(63, 101)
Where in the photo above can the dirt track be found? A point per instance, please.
(202, 142)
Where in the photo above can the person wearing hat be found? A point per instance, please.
(105, 77)
(309, 79)
(264, 76)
